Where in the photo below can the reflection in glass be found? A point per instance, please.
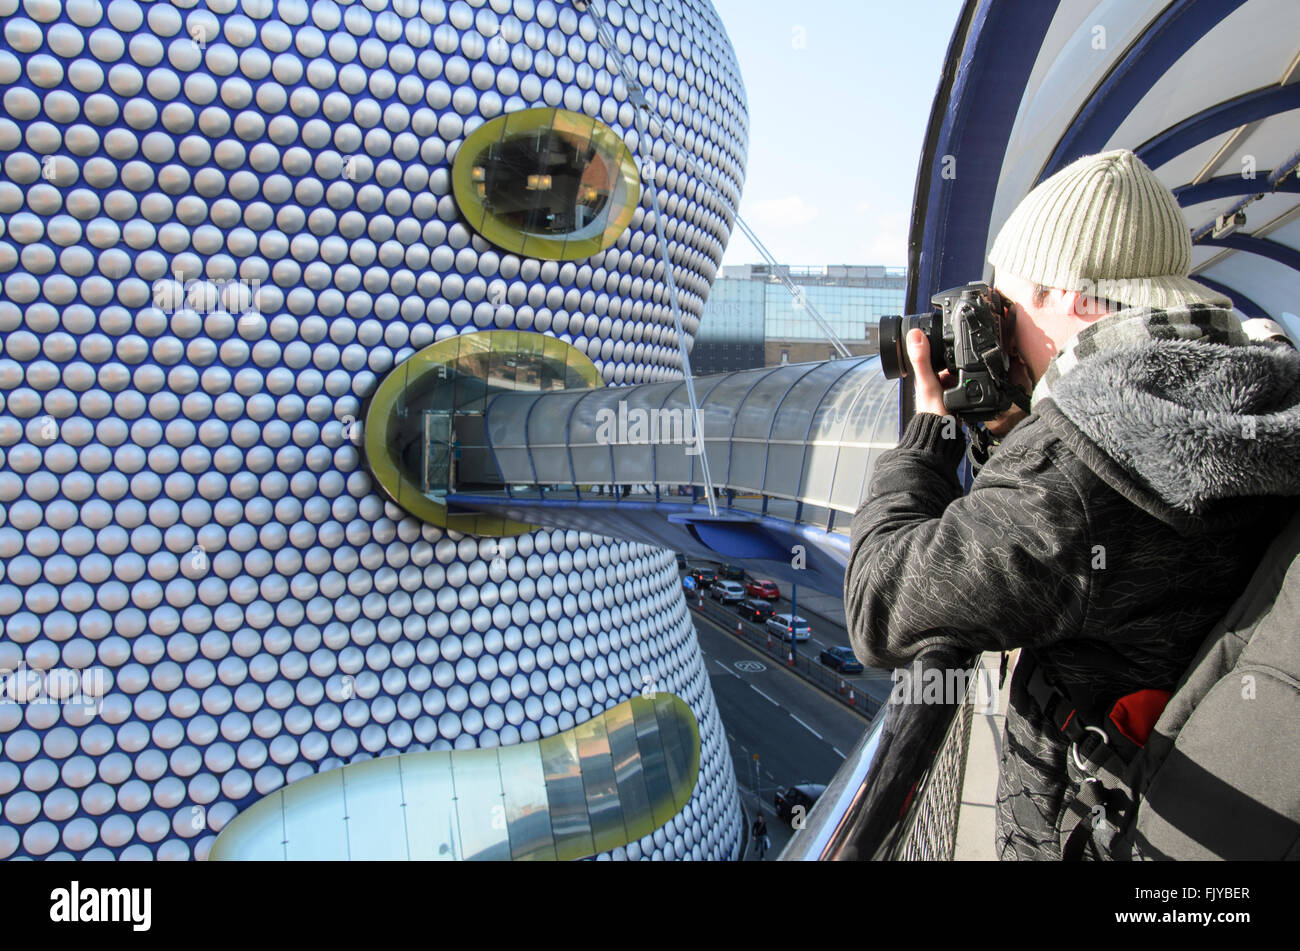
(547, 183)
(606, 782)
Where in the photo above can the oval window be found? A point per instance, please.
(547, 183)
(424, 435)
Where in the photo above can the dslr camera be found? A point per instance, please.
(968, 332)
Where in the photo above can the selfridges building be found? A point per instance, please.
(224, 224)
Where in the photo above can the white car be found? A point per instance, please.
(728, 592)
(782, 624)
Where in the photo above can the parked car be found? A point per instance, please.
(797, 801)
(763, 588)
(728, 592)
(782, 624)
(704, 577)
(755, 609)
(732, 572)
(841, 659)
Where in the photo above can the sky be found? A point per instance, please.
(839, 99)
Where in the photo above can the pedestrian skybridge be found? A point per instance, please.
(522, 434)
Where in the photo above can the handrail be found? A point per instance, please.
(882, 794)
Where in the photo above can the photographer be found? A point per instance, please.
(1113, 525)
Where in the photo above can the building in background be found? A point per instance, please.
(752, 320)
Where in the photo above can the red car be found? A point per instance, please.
(762, 588)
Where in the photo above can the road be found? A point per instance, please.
(797, 733)
(825, 616)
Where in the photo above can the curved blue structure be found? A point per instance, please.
(1195, 87)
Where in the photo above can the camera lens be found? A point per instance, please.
(893, 353)
(894, 361)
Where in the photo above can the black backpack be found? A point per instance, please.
(1218, 776)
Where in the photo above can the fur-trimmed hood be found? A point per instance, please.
(1189, 410)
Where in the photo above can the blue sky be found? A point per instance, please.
(839, 98)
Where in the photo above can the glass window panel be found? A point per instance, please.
(473, 365)
(376, 822)
(815, 515)
(620, 727)
(747, 463)
(547, 423)
(516, 467)
(314, 825)
(505, 360)
(480, 807)
(755, 416)
(681, 747)
(848, 478)
(567, 796)
(819, 470)
(257, 833)
(784, 470)
(593, 465)
(658, 782)
(528, 815)
(432, 828)
(603, 808)
(633, 463)
(795, 413)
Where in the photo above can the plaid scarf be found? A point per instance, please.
(1138, 325)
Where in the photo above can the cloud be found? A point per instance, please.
(788, 212)
(883, 240)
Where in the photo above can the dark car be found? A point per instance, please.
(732, 573)
(755, 609)
(795, 803)
(763, 588)
(841, 659)
(681, 560)
(704, 577)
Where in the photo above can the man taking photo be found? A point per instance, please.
(1115, 523)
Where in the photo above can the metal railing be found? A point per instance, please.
(898, 793)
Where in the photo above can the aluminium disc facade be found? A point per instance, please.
(221, 223)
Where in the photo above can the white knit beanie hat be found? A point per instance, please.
(1107, 227)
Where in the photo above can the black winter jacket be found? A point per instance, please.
(1061, 549)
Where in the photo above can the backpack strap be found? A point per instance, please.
(1103, 742)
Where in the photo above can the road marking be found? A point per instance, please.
(750, 666)
(726, 668)
(837, 752)
(805, 726)
(765, 696)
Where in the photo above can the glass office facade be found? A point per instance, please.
(748, 306)
(732, 328)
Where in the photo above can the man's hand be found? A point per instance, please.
(1006, 421)
(927, 385)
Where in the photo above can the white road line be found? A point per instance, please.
(727, 669)
(805, 726)
(765, 696)
(836, 749)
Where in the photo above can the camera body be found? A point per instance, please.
(968, 331)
